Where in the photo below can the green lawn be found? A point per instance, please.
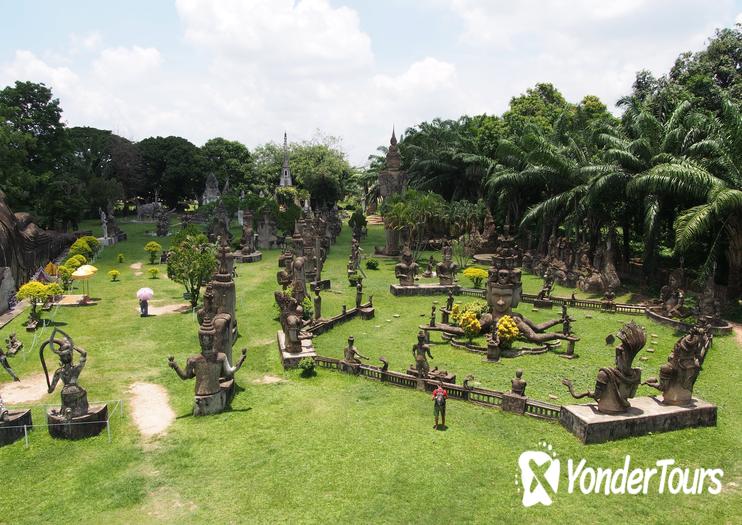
(335, 448)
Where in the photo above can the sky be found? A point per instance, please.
(249, 70)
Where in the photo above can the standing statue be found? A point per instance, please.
(420, 351)
(214, 375)
(359, 293)
(76, 418)
(615, 386)
(103, 224)
(317, 302)
(679, 374)
(446, 269)
(6, 365)
(429, 268)
(406, 270)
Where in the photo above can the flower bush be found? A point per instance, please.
(65, 275)
(507, 330)
(154, 273)
(114, 274)
(456, 314)
(470, 324)
(372, 264)
(152, 248)
(475, 275)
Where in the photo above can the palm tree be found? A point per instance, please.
(710, 176)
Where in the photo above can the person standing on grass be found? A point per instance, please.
(439, 404)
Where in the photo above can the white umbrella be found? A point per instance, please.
(145, 294)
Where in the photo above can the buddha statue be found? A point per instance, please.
(446, 269)
(679, 374)
(406, 269)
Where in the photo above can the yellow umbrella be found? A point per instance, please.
(83, 273)
(86, 268)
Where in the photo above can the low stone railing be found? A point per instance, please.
(479, 396)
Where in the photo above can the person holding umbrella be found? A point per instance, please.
(144, 295)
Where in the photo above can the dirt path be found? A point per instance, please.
(28, 389)
(267, 380)
(150, 408)
(737, 328)
(136, 266)
(168, 309)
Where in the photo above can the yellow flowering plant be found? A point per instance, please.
(507, 330)
(470, 324)
(475, 275)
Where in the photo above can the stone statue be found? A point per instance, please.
(213, 373)
(446, 269)
(518, 385)
(3, 411)
(351, 355)
(420, 351)
(247, 242)
(6, 366)
(446, 312)
(103, 224)
(359, 293)
(566, 321)
(317, 302)
(74, 397)
(432, 316)
(163, 223)
(13, 345)
(679, 374)
(406, 270)
(429, 268)
(615, 386)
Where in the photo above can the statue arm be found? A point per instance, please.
(230, 370)
(187, 374)
(427, 351)
(570, 387)
(54, 382)
(83, 357)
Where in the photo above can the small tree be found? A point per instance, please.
(81, 247)
(37, 293)
(114, 274)
(75, 262)
(154, 273)
(191, 263)
(65, 275)
(152, 248)
(120, 257)
(476, 275)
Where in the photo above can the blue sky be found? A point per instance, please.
(249, 69)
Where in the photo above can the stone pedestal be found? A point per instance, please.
(324, 284)
(88, 425)
(248, 258)
(11, 430)
(367, 312)
(291, 359)
(513, 403)
(646, 414)
(215, 403)
(423, 289)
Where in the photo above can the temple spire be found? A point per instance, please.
(285, 170)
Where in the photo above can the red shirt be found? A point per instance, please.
(439, 390)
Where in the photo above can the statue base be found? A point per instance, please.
(11, 430)
(87, 425)
(433, 375)
(424, 289)
(215, 403)
(291, 359)
(324, 284)
(247, 258)
(646, 414)
(367, 312)
(513, 403)
(543, 303)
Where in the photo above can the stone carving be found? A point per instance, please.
(267, 230)
(429, 267)
(148, 210)
(317, 302)
(406, 269)
(12, 345)
(222, 284)
(615, 386)
(76, 418)
(359, 294)
(212, 370)
(285, 179)
(24, 248)
(392, 181)
(672, 297)
(219, 224)
(446, 269)
(351, 355)
(103, 224)
(421, 351)
(247, 242)
(292, 323)
(163, 222)
(679, 374)
(211, 191)
(517, 384)
(4, 363)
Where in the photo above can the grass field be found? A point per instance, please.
(335, 448)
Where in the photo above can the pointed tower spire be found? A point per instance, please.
(285, 179)
(393, 141)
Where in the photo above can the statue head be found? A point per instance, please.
(502, 299)
(351, 340)
(519, 373)
(632, 338)
(421, 337)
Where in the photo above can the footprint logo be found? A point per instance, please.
(539, 475)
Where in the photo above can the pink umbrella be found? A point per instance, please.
(145, 294)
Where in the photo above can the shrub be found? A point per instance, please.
(75, 262)
(114, 274)
(37, 292)
(475, 275)
(65, 275)
(152, 248)
(470, 324)
(191, 262)
(120, 257)
(308, 307)
(80, 247)
(456, 314)
(307, 366)
(154, 273)
(507, 330)
(372, 264)
(92, 242)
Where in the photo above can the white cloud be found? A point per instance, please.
(122, 64)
